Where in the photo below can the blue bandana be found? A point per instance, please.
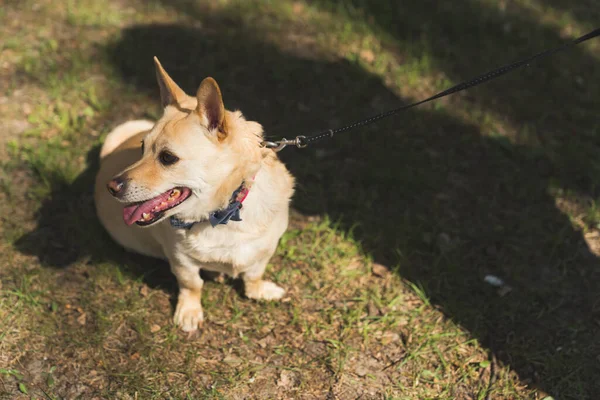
(219, 217)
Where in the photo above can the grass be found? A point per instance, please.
(501, 180)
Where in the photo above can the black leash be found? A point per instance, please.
(302, 141)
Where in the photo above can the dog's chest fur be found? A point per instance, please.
(234, 247)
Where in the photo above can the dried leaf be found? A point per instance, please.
(297, 7)
(361, 370)
(389, 337)
(373, 310)
(82, 319)
(380, 270)
(367, 55)
(286, 379)
(232, 360)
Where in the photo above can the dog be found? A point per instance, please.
(198, 189)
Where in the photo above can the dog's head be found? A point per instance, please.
(192, 160)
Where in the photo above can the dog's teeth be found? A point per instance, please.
(164, 203)
(175, 193)
(145, 216)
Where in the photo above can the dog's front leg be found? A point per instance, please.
(188, 314)
(257, 288)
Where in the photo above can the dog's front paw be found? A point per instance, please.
(264, 290)
(188, 315)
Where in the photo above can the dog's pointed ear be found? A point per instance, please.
(210, 106)
(170, 92)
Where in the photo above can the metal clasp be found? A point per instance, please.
(283, 143)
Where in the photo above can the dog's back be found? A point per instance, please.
(123, 132)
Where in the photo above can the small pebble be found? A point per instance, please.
(493, 280)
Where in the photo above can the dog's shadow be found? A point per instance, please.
(68, 231)
(426, 193)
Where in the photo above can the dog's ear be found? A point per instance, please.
(210, 106)
(170, 93)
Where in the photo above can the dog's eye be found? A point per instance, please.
(142, 147)
(167, 158)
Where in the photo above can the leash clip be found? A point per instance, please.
(283, 143)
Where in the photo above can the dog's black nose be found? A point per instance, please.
(116, 185)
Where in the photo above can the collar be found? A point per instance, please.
(222, 216)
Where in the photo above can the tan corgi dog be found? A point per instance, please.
(198, 189)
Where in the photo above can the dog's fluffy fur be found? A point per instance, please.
(216, 150)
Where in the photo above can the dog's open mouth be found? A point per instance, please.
(149, 211)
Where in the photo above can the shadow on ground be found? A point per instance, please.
(424, 193)
(68, 230)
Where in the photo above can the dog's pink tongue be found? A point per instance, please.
(133, 213)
